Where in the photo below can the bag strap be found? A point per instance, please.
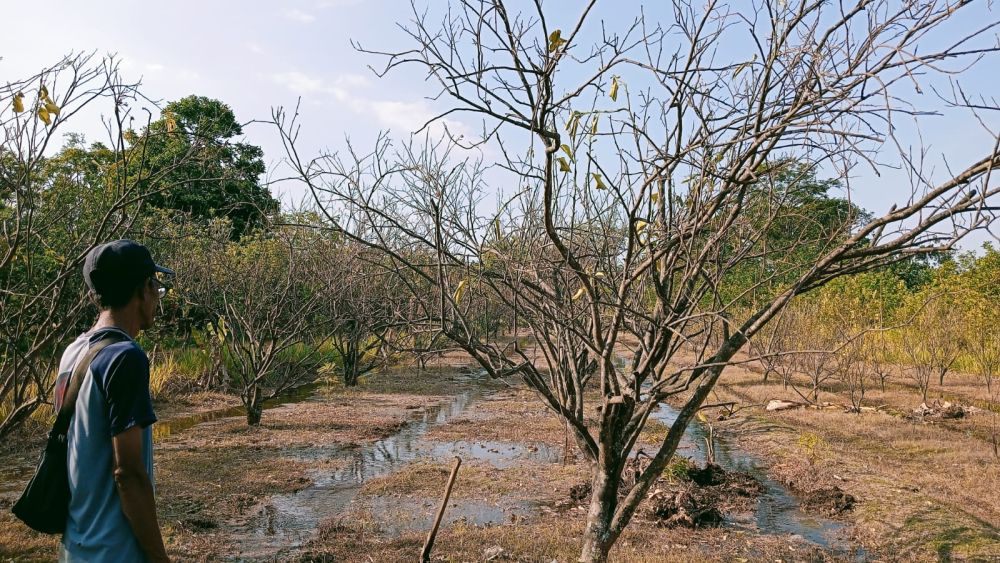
(68, 406)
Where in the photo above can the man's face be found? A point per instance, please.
(151, 300)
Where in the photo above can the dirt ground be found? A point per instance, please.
(926, 490)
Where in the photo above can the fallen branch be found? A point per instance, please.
(425, 554)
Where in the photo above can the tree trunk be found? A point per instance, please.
(351, 364)
(598, 538)
(351, 377)
(255, 407)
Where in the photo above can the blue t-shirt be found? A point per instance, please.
(113, 398)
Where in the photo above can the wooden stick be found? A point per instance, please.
(425, 555)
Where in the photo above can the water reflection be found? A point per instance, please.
(292, 518)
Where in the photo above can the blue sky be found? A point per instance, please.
(255, 55)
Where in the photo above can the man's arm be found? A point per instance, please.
(136, 492)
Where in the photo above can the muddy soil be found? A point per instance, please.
(356, 474)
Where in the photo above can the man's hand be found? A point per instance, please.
(136, 492)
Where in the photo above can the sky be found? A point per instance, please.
(256, 55)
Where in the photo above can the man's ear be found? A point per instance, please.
(143, 288)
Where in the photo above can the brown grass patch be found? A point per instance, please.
(926, 490)
(550, 538)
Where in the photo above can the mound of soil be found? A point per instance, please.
(198, 524)
(580, 492)
(829, 500)
(708, 476)
(703, 497)
(682, 509)
(699, 497)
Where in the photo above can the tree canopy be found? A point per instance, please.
(224, 181)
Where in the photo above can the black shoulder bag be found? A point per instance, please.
(44, 504)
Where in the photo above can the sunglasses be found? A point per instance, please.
(162, 286)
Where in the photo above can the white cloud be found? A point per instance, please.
(155, 67)
(299, 16)
(300, 83)
(187, 74)
(353, 81)
(254, 48)
(349, 92)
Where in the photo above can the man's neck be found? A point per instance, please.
(119, 319)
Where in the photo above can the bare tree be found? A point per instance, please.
(875, 351)
(768, 345)
(268, 297)
(920, 370)
(55, 207)
(980, 313)
(983, 344)
(636, 164)
(367, 313)
(853, 373)
(932, 341)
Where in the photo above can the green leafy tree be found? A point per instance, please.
(795, 217)
(224, 181)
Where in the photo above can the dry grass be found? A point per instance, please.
(554, 537)
(928, 489)
(192, 403)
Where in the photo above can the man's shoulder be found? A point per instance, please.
(125, 354)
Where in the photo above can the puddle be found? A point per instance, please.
(778, 511)
(399, 515)
(165, 428)
(289, 520)
(501, 455)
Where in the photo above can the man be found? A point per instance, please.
(112, 512)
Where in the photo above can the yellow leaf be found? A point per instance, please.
(555, 41)
(598, 274)
(599, 183)
(459, 291)
(573, 123)
(52, 107)
(614, 88)
(640, 225)
(655, 196)
(578, 294)
(593, 126)
(43, 92)
(569, 152)
(18, 102)
(170, 121)
(701, 416)
(563, 165)
(43, 114)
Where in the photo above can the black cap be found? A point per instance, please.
(118, 265)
